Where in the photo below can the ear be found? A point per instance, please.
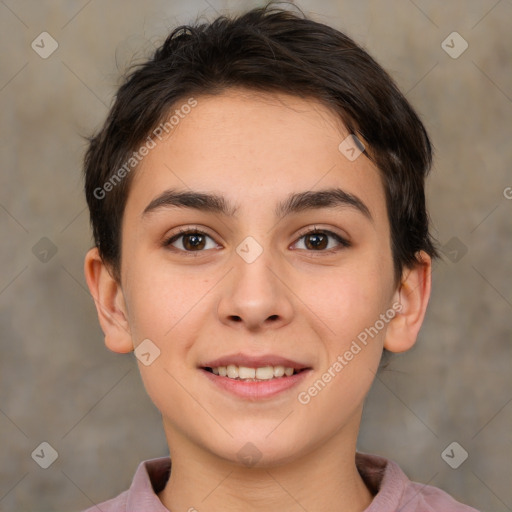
(413, 295)
(110, 303)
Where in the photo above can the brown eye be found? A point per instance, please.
(316, 241)
(190, 241)
(194, 242)
(320, 241)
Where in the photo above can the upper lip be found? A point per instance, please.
(254, 361)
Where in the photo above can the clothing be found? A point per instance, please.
(392, 490)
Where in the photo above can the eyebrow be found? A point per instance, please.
(294, 203)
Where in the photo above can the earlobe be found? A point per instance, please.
(110, 303)
(413, 295)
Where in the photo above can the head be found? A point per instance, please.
(236, 132)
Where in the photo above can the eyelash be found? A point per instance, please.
(196, 231)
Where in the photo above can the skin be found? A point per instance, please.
(294, 300)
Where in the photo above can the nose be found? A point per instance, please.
(256, 296)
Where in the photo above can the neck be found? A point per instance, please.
(325, 480)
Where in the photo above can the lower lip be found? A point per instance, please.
(256, 390)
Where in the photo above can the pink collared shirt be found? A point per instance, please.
(392, 490)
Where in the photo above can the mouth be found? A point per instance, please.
(254, 378)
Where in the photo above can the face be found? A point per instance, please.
(268, 273)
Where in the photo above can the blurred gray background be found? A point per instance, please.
(58, 382)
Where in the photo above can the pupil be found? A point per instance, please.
(317, 240)
(195, 241)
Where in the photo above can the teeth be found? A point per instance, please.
(265, 373)
(244, 373)
(278, 371)
(232, 371)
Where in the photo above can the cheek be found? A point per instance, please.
(350, 303)
(161, 300)
(351, 299)
(163, 308)
(353, 335)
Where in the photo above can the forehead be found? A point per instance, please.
(251, 147)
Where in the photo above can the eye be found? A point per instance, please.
(190, 240)
(318, 240)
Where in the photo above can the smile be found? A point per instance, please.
(254, 377)
(254, 388)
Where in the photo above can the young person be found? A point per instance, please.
(257, 203)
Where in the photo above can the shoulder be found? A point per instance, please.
(432, 499)
(150, 477)
(394, 491)
(117, 504)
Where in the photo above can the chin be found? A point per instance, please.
(256, 448)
